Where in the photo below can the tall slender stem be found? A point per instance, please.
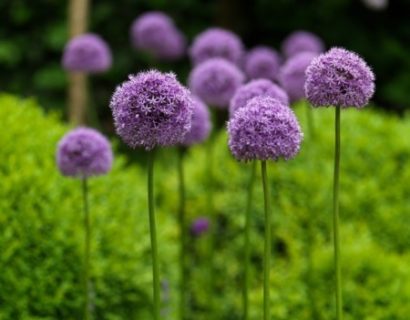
(182, 228)
(268, 241)
(247, 240)
(310, 122)
(336, 241)
(87, 282)
(153, 233)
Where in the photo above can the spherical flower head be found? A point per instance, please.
(214, 43)
(265, 129)
(152, 109)
(339, 78)
(215, 81)
(292, 75)
(262, 62)
(255, 88)
(376, 4)
(83, 153)
(156, 33)
(300, 41)
(201, 124)
(200, 226)
(87, 53)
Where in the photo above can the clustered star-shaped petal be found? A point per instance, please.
(87, 53)
(201, 124)
(265, 129)
(155, 32)
(152, 109)
(300, 41)
(339, 78)
(215, 81)
(262, 62)
(292, 75)
(84, 152)
(200, 226)
(255, 88)
(216, 43)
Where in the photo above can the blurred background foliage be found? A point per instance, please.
(42, 233)
(33, 34)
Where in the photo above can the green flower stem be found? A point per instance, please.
(336, 241)
(153, 233)
(268, 241)
(87, 282)
(310, 121)
(182, 229)
(247, 240)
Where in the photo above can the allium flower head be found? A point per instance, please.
(215, 81)
(201, 124)
(339, 78)
(292, 76)
(216, 43)
(199, 226)
(376, 4)
(150, 109)
(262, 62)
(265, 129)
(255, 88)
(83, 153)
(87, 53)
(300, 41)
(156, 33)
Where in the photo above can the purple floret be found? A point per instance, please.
(265, 129)
(215, 81)
(339, 78)
(87, 53)
(292, 75)
(262, 63)
(301, 41)
(201, 124)
(216, 43)
(156, 33)
(152, 109)
(83, 153)
(200, 226)
(255, 88)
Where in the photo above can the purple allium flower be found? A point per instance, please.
(84, 152)
(292, 74)
(264, 129)
(201, 124)
(200, 226)
(150, 109)
(216, 43)
(300, 41)
(339, 78)
(156, 33)
(255, 88)
(376, 4)
(215, 81)
(87, 53)
(262, 62)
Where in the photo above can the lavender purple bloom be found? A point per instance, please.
(216, 43)
(339, 78)
(265, 129)
(255, 88)
(152, 109)
(301, 41)
(262, 62)
(87, 53)
(292, 75)
(84, 152)
(200, 226)
(215, 81)
(201, 124)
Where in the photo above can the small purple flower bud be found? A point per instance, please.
(200, 226)
(87, 53)
(152, 109)
(262, 63)
(215, 81)
(201, 124)
(301, 41)
(339, 78)
(265, 129)
(84, 152)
